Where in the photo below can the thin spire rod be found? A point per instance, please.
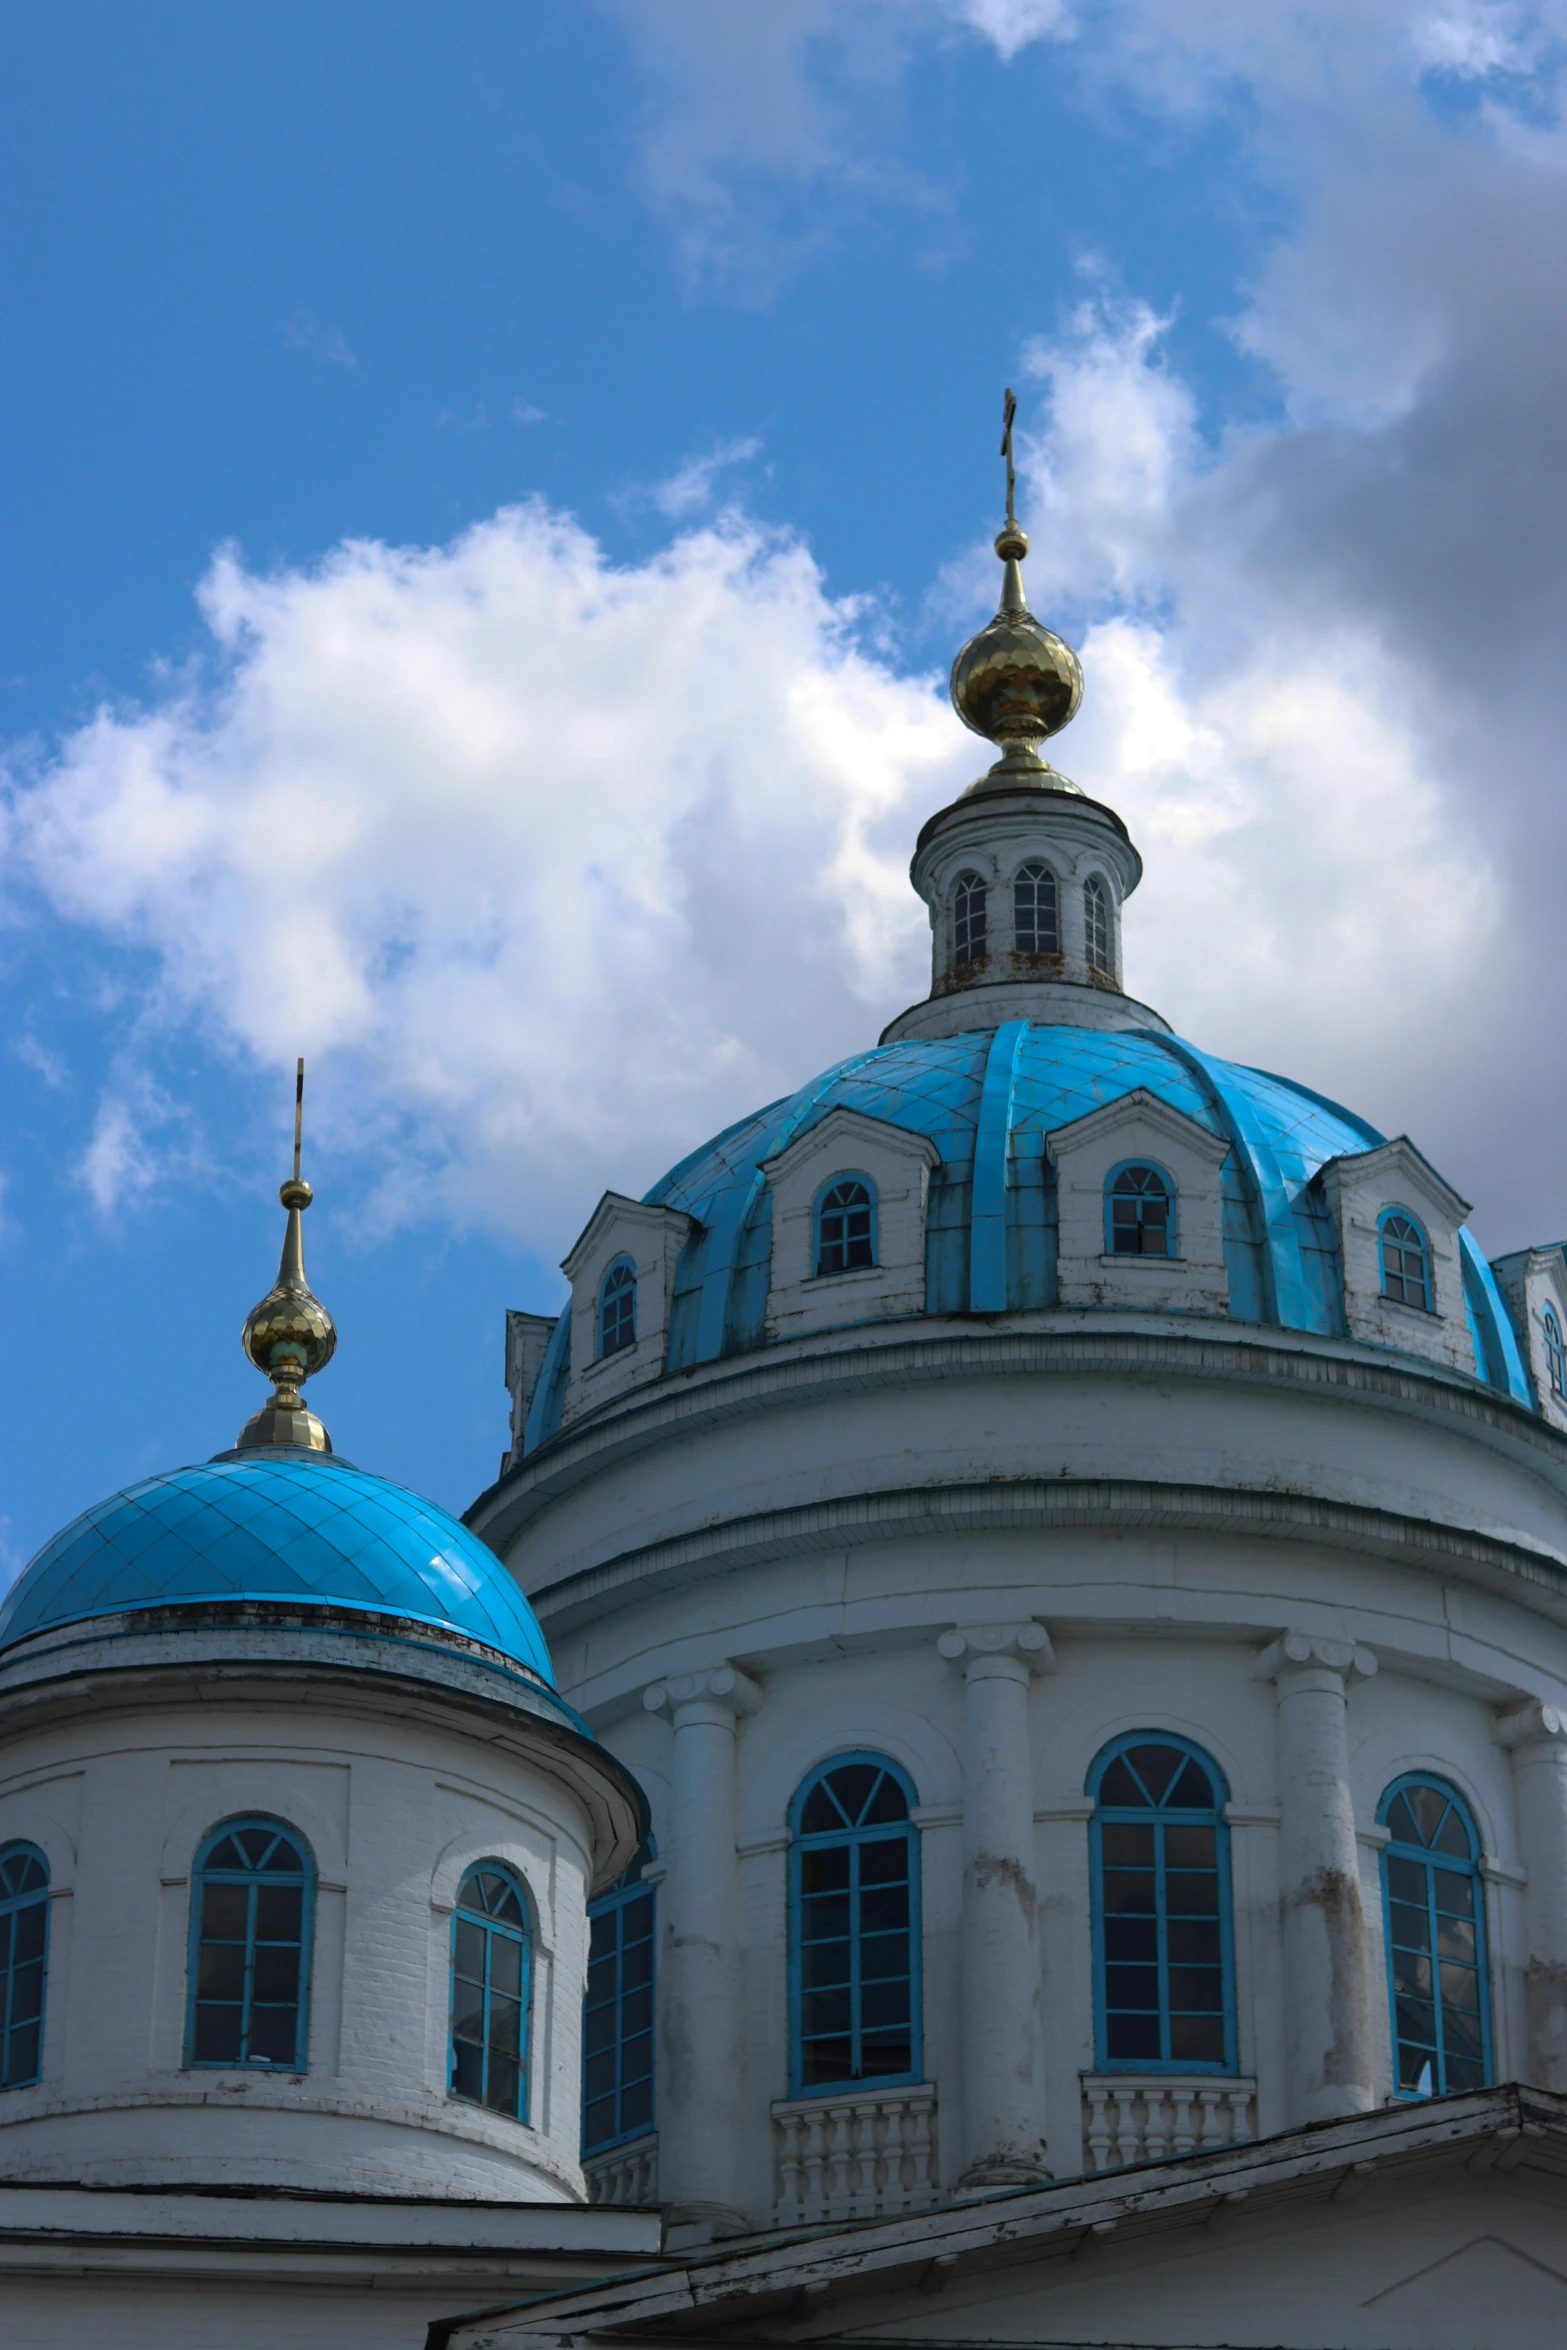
(299, 1112)
(1008, 412)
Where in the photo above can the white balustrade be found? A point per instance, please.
(867, 2154)
(1142, 2117)
(626, 2175)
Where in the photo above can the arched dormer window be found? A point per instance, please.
(617, 2012)
(1164, 1968)
(1036, 912)
(968, 920)
(845, 1224)
(251, 1913)
(1434, 1907)
(24, 1960)
(1139, 1212)
(492, 1984)
(854, 1927)
(1555, 1353)
(1096, 927)
(1406, 1260)
(618, 1308)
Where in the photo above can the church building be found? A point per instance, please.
(993, 1766)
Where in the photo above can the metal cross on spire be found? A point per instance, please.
(299, 1112)
(1008, 412)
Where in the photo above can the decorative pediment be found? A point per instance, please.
(893, 1167)
(1362, 1188)
(1141, 1129)
(1533, 1283)
(650, 1240)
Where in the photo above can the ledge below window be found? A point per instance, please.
(854, 2154)
(1141, 2117)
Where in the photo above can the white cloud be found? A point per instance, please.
(1011, 25)
(690, 489)
(327, 344)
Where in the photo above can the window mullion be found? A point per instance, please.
(247, 1985)
(1161, 1918)
(856, 2051)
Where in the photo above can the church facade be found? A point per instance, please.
(992, 1767)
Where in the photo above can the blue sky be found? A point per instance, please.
(490, 493)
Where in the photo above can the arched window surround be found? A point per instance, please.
(970, 919)
(1036, 908)
(617, 1308)
(861, 1924)
(1106, 1954)
(271, 1926)
(24, 1963)
(1450, 2049)
(1098, 926)
(1172, 1211)
(490, 2027)
(1555, 1354)
(1397, 1271)
(852, 1227)
(617, 2010)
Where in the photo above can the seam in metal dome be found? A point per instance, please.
(291, 1528)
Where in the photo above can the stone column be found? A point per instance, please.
(1537, 1737)
(1003, 2058)
(701, 2150)
(1326, 1980)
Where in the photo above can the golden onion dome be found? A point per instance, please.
(1017, 682)
(290, 1334)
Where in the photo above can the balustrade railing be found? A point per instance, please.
(867, 2154)
(1141, 2117)
(624, 2174)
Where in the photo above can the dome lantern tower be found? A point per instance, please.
(1025, 876)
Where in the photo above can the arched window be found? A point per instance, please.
(253, 1896)
(1139, 1212)
(1555, 1354)
(492, 1982)
(617, 2013)
(1433, 1902)
(24, 1958)
(846, 1224)
(968, 919)
(1096, 927)
(618, 1307)
(854, 1942)
(1406, 1264)
(1036, 914)
(1164, 1992)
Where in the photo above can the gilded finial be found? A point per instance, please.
(1017, 682)
(290, 1334)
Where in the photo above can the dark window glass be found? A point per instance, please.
(1555, 1354)
(855, 1882)
(1405, 1271)
(24, 1955)
(1036, 917)
(968, 920)
(845, 1234)
(1161, 1895)
(1096, 927)
(618, 1310)
(617, 2014)
(492, 1982)
(1434, 1917)
(1139, 1213)
(250, 1947)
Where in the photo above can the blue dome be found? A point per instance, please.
(296, 1528)
(988, 1099)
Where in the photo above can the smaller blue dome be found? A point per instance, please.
(295, 1528)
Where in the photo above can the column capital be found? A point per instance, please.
(1306, 1652)
(1027, 1644)
(721, 1685)
(1533, 1723)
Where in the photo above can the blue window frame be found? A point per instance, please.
(251, 1913)
(492, 1989)
(618, 1307)
(1164, 1962)
(24, 1963)
(1406, 1259)
(845, 1224)
(1096, 928)
(1139, 1211)
(617, 2012)
(1555, 1353)
(854, 1927)
(1036, 912)
(968, 919)
(1433, 1902)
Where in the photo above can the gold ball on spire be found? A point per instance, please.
(289, 1335)
(1017, 682)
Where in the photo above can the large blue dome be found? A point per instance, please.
(987, 1099)
(290, 1527)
